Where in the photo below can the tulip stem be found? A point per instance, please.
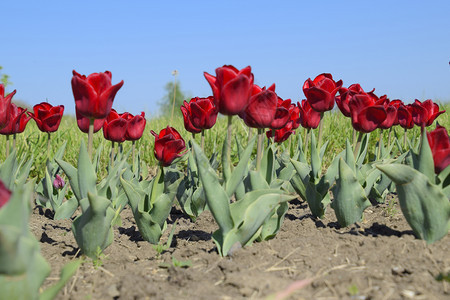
(48, 145)
(358, 144)
(7, 145)
(230, 121)
(111, 157)
(379, 144)
(14, 141)
(404, 139)
(389, 138)
(319, 138)
(250, 133)
(90, 136)
(203, 140)
(354, 137)
(133, 151)
(307, 136)
(259, 147)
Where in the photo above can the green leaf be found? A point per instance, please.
(424, 162)
(66, 273)
(349, 197)
(425, 207)
(66, 209)
(72, 174)
(316, 163)
(267, 164)
(87, 178)
(240, 170)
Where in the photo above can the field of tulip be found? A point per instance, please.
(247, 196)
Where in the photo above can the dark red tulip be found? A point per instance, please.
(309, 118)
(391, 115)
(281, 134)
(440, 148)
(294, 111)
(345, 94)
(263, 110)
(115, 127)
(17, 122)
(366, 114)
(231, 88)
(321, 91)
(199, 113)
(404, 116)
(47, 117)
(396, 103)
(136, 126)
(169, 145)
(5, 106)
(83, 123)
(425, 113)
(94, 94)
(5, 194)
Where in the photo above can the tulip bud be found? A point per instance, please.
(58, 183)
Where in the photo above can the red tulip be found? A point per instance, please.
(199, 113)
(391, 115)
(17, 122)
(425, 113)
(404, 116)
(169, 145)
(321, 91)
(440, 148)
(47, 117)
(83, 123)
(396, 103)
(5, 194)
(309, 118)
(281, 134)
(263, 110)
(58, 183)
(366, 114)
(136, 126)
(5, 106)
(231, 88)
(345, 94)
(115, 127)
(294, 112)
(94, 94)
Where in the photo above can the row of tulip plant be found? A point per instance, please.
(248, 200)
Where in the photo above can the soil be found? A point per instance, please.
(378, 258)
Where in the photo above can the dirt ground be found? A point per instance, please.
(378, 258)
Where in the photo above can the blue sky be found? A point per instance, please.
(401, 48)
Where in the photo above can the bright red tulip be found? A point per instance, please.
(264, 111)
(440, 148)
(169, 145)
(231, 88)
(136, 126)
(404, 116)
(345, 94)
(17, 122)
(425, 113)
(47, 117)
(115, 127)
(199, 113)
(94, 94)
(281, 134)
(83, 123)
(5, 194)
(321, 91)
(309, 118)
(5, 106)
(366, 114)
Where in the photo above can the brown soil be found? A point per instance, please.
(378, 258)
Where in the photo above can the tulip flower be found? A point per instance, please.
(5, 106)
(294, 112)
(18, 120)
(94, 94)
(169, 145)
(345, 94)
(83, 123)
(321, 91)
(440, 148)
(282, 134)
(58, 183)
(231, 88)
(424, 113)
(404, 116)
(263, 110)
(199, 114)
(47, 117)
(115, 127)
(5, 194)
(136, 126)
(309, 118)
(366, 114)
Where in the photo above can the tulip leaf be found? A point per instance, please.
(267, 164)
(72, 174)
(272, 225)
(349, 197)
(66, 209)
(363, 150)
(216, 197)
(316, 164)
(226, 164)
(238, 173)
(7, 168)
(425, 207)
(87, 178)
(257, 181)
(423, 162)
(349, 157)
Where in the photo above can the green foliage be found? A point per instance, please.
(5, 79)
(166, 103)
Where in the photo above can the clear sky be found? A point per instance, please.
(401, 48)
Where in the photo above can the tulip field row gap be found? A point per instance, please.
(243, 154)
